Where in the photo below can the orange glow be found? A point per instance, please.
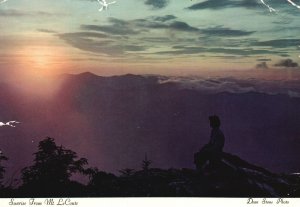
(41, 58)
(45, 59)
(38, 69)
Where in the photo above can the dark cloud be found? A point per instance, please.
(167, 22)
(117, 27)
(242, 51)
(284, 55)
(264, 59)
(262, 65)
(156, 23)
(209, 4)
(221, 31)
(111, 29)
(182, 26)
(287, 63)
(120, 37)
(279, 43)
(139, 35)
(157, 4)
(221, 4)
(164, 18)
(284, 6)
(133, 27)
(181, 50)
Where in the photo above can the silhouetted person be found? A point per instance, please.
(212, 151)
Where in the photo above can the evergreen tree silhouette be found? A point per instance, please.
(53, 165)
(146, 163)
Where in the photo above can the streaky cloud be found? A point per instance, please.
(21, 13)
(221, 4)
(221, 31)
(279, 43)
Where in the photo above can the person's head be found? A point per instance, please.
(214, 121)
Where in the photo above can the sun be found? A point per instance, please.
(39, 67)
(41, 58)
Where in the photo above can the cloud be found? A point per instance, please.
(47, 31)
(164, 18)
(221, 31)
(13, 13)
(21, 13)
(284, 55)
(182, 26)
(137, 26)
(167, 22)
(116, 27)
(210, 4)
(279, 43)
(287, 63)
(120, 37)
(99, 43)
(283, 5)
(180, 50)
(262, 65)
(264, 59)
(111, 29)
(166, 35)
(221, 4)
(84, 35)
(236, 85)
(157, 4)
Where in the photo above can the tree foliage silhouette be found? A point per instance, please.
(53, 164)
(2, 169)
(127, 172)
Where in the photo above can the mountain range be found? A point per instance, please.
(114, 121)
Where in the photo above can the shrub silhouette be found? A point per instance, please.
(53, 166)
(127, 172)
(103, 184)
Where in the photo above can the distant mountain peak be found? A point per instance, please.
(84, 74)
(87, 74)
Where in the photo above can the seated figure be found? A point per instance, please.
(212, 151)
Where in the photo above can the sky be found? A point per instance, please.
(148, 36)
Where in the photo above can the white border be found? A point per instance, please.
(147, 202)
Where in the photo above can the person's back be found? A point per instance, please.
(217, 140)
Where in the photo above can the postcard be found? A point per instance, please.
(144, 102)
